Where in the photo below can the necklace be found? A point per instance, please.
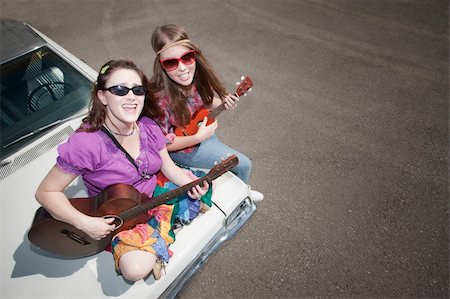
(120, 134)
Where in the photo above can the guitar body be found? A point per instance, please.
(196, 121)
(65, 240)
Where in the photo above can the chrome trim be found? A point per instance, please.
(230, 228)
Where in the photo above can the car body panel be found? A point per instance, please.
(28, 272)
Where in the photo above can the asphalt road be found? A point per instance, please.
(347, 127)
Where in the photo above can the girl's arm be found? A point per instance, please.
(51, 196)
(216, 102)
(178, 176)
(230, 101)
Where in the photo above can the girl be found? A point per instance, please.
(183, 83)
(117, 101)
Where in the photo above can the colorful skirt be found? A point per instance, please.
(157, 234)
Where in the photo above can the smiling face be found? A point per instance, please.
(184, 73)
(122, 110)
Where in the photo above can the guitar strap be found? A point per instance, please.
(120, 147)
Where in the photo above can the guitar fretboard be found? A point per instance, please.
(151, 203)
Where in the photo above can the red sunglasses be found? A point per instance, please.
(171, 64)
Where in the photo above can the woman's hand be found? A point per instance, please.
(230, 101)
(180, 176)
(197, 192)
(205, 131)
(97, 228)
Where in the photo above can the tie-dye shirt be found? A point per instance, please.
(168, 121)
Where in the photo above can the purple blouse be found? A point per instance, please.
(95, 157)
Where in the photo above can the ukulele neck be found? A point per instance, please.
(219, 109)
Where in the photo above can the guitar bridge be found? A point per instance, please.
(75, 237)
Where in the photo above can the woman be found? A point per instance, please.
(117, 102)
(184, 82)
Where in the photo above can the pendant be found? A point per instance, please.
(146, 176)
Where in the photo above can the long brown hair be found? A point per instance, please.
(97, 111)
(205, 79)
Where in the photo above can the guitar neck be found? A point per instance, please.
(151, 203)
(214, 113)
(165, 197)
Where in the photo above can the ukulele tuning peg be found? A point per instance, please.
(243, 77)
(245, 94)
(250, 89)
(229, 154)
(237, 83)
(223, 159)
(215, 163)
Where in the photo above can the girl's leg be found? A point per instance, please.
(136, 264)
(211, 151)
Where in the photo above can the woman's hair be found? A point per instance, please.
(205, 79)
(97, 111)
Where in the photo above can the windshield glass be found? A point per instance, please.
(37, 89)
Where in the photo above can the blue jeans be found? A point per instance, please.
(212, 150)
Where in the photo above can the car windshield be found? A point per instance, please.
(38, 89)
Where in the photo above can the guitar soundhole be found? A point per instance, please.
(117, 220)
(75, 237)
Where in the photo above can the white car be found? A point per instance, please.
(45, 92)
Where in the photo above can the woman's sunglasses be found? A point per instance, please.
(120, 90)
(171, 64)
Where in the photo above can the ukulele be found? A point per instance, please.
(122, 202)
(197, 119)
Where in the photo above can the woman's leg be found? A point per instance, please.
(136, 264)
(213, 151)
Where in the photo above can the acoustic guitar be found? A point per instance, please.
(197, 119)
(122, 202)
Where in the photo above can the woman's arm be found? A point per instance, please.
(51, 196)
(230, 101)
(216, 102)
(178, 176)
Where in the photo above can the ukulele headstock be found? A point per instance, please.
(244, 85)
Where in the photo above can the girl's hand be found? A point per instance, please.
(98, 228)
(231, 101)
(206, 131)
(197, 192)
